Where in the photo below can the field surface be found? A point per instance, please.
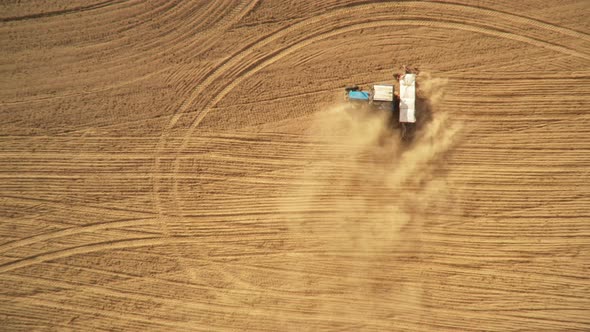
(190, 166)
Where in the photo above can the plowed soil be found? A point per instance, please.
(190, 165)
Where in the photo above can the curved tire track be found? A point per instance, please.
(239, 57)
(238, 60)
(94, 247)
(276, 56)
(243, 73)
(174, 41)
(74, 230)
(513, 18)
(155, 184)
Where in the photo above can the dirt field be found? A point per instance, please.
(189, 165)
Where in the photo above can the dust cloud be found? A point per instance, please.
(361, 204)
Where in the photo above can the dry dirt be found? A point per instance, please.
(188, 165)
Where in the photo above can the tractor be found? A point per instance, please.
(383, 96)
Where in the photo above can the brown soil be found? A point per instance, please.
(189, 165)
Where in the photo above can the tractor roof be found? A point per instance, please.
(383, 92)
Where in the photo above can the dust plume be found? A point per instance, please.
(432, 88)
(360, 206)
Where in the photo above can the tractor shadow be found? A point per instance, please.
(409, 131)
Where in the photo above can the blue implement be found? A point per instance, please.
(358, 95)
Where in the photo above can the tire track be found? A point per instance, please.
(75, 230)
(95, 25)
(324, 274)
(474, 9)
(87, 207)
(520, 19)
(239, 57)
(175, 148)
(150, 52)
(147, 321)
(63, 62)
(228, 309)
(155, 184)
(248, 289)
(62, 12)
(179, 44)
(253, 69)
(210, 37)
(207, 37)
(94, 247)
(450, 6)
(235, 63)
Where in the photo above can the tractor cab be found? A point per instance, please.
(383, 96)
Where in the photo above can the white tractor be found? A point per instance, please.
(382, 96)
